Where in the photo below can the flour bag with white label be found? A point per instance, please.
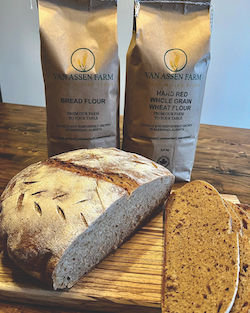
(167, 64)
(81, 73)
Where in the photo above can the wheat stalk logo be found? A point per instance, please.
(175, 63)
(83, 60)
(175, 59)
(82, 63)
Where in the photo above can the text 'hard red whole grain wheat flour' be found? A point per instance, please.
(80, 64)
(167, 64)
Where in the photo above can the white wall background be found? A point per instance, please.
(227, 96)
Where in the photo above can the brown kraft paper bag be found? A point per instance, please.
(80, 65)
(167, 63)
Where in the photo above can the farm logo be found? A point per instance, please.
(175, 60)
(83, 60)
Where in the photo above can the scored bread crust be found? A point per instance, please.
(201, 257)
(51, 208)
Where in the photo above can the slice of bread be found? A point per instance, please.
(242, 300)
(61, 217)
(201, 257)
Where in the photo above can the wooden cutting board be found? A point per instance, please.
(128, 280)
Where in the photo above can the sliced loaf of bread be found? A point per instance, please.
(201, 257)
(61, 217)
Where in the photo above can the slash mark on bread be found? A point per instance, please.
(59, 196)
(61, 213)
(84, 220)
(81, 201)
(38, 208)
(20, 201)
(99, 197)
(29, 182)
(119, 179)
(38, 192)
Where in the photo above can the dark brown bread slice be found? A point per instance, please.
(242, 302)
(201, 259)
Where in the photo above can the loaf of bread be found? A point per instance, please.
(61, 217)
(201, 257)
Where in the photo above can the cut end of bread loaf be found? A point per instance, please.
(108, 232)
(201, 270)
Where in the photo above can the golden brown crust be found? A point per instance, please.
(118, 179)
(31, 257)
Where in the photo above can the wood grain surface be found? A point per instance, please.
(129, 279)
